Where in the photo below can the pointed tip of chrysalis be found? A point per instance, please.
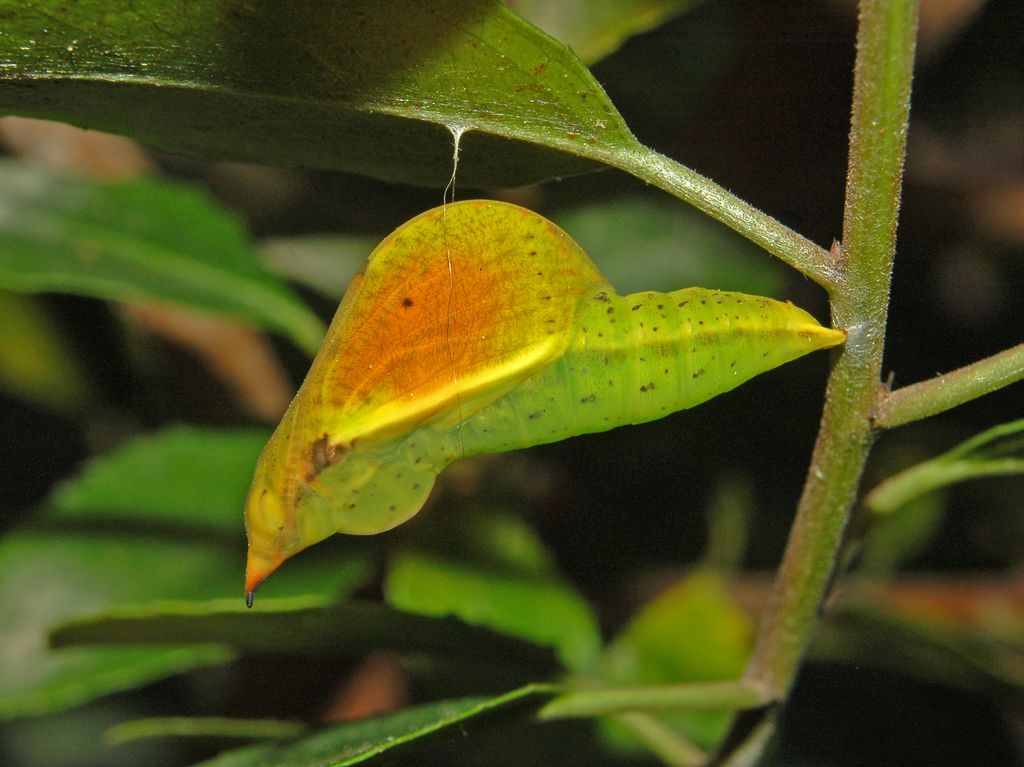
(257, 570)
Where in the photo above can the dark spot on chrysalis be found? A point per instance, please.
(654, 329)
(703, 301)
(699, 373)
(350, 505)
(416, 486)
(611, 382)
(600, 334)
(681, 304)
(666, 371)
(611, 310)
(407, 302)
(732, 364)
(700, 322)
(637, 307)
(648, 387)
(391, 508)
(602, 297)
(589, 399)
(547, 298)
(323, 455)
(660, 307)
(533, 253)
(535, 415)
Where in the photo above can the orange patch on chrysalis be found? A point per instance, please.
(442, 318)
(451, 311)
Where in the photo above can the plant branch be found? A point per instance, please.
(730, 695)
(939, 394)
(704, 194)
(885, 47)
(663, 741)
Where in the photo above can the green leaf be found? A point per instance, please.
(978, 660)
(116, 536)
(359, 741)
(183, 476)
(994, 452)
(308, 625)
(541, 611)
(36, 362)
(45, 578)
(202, 727)
(366, 86)
(146, 240)
(646, 244)
(325, 263)
(596, 28)
(693, 632)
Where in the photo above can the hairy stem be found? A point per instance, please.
(782, 242)
(939, 394)
(885, 47)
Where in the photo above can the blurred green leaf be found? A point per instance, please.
(183, 476)
(359, 741)
(596, 28)
(36, 362)
(308, 625)
(960, 657)
(325, 263)
(202, 727)
(366, 86)
(99, 548)
(645, 244)
(693, 632)
(541, 611)
(729, 514)
(46, 578)
(996, 451)
(507, 543)
(51, 576)
(146, 240)
(895, 539)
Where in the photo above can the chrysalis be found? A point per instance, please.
(480, 327)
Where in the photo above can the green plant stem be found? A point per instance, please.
(939, 394)
(882, 75)
(663, 741)
(782, 242)
(898, 490)
(613, 700)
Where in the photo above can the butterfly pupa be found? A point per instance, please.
(481, 327)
